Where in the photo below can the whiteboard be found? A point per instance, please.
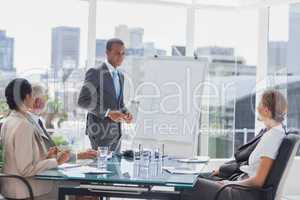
(169, 91)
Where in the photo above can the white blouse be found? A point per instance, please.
(268, 147)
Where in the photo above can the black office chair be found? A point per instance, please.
(273, 186)
(31, 197)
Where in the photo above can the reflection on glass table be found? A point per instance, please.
(122, 171)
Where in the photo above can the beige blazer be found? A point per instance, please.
(24, 155)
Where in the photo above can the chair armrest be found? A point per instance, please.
(26, 183)
(242, 187)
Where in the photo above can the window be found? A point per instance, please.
(144, 33)
(229, 40)
(30, 47)
(283, 61)
(51, 49)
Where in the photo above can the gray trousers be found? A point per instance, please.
(207, 189)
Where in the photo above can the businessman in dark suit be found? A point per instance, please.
(102, 95)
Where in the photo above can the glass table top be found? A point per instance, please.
(122, 171)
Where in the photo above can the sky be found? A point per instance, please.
(30, 23)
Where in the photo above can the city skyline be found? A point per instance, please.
(231, 57)
(7, 45)
(32, 30)
(65, 48)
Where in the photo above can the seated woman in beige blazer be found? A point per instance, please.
(24, 154)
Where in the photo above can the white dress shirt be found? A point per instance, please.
(268, 147)
(111, 70)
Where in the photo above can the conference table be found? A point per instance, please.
(122, 178)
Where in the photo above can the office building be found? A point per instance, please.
(277, 57)
(235, 110)
(161, 52)
(122, 32)
(134, 52)
(6, 52)
(178, 50)
(293, 60)
(100, 49)
(219, 54)
(215, 51)
(293, 69)
(5, 77)
(149, 49)
(65, 50)
(136, 38)
(132, 37)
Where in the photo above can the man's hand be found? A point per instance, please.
(128, 118)
(89, 154)
(63, 157)
(52, 152)
(215, 172)
(116, 116)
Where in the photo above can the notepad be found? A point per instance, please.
(181, 170)
(82, 170)
(68, 165)
(198, 159)
(93, 170)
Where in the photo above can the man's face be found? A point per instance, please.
(116, 54)
(39, 104)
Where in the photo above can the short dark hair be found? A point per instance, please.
(112, 41)
(16, 92)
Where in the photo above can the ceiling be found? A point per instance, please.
(208, 3)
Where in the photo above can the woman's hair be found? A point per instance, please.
(16, 92)
(276, 103)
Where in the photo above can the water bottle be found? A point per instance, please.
(146, 158)
(137, 154)
(156, 154)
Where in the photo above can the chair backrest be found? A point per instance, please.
(282, 164)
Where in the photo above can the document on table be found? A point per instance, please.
(68, 165)
(198, 159)
(181, 170)
(80, 171)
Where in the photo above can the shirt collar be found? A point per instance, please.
(34, 116)
(278, 127)
(36, 119)
(110, 67)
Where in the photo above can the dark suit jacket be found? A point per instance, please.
(97, 95)
(48, 140)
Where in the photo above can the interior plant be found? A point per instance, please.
(54, 111)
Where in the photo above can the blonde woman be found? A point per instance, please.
(272, 110)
